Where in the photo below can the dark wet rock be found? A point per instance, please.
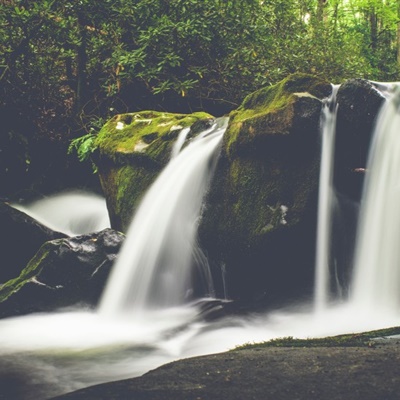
(286, 373)
(259, 223)
(359, 104)
(21, 237)
(63, 273)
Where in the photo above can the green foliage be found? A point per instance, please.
(62, 63)
(83, 146)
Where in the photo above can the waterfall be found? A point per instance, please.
(376, 280)
(325, 202)
(62, 351)
(153, 269)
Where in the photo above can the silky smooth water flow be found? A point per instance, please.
(376, 283)
(153, 266)
(147, 316)
(325, 203)
(71, 212)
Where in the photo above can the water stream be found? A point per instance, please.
(376, 282)
(325, 203)
(153, 269)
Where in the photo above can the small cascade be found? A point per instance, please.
(176, 148)
(71, 212)
(325, 203)
(376, 280)
(153, 269)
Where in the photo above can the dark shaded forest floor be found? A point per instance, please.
(271, 373)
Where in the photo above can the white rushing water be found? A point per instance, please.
(65, 351)
(153, 266)
(325, 202)
(71, 212)
(376, 283)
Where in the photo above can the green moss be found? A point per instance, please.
(349, 340)
(148, 133)
(266, 105)
(255, 204)
(132, 149)
(32, 270)
(134, 180)
(275, 97)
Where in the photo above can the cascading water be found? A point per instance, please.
(376, 282)
(325, 202)
(71, 212)
(153, 267)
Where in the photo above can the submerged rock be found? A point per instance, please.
(22, 237)
(132, 149)
(64, 272)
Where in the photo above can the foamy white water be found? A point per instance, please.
(72, 350)
(153, 268)
(325, 203)
(70, 212)
(376, 282)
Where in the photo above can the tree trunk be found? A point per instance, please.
(373, 22)
(398, 33)
(81, 66)
(321, 15)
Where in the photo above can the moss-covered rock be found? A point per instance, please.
(259, 225)
(132, 149)
(62, 273)
(285, 108)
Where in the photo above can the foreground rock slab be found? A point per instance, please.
(63, 273)
(356, 373)
(21, 238)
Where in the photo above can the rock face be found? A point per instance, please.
(359, 104)
(63, 272)
(22, 237)
(259, 224)
(132, 149)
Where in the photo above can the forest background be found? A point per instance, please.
(68, 66)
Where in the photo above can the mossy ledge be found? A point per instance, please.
(365, 339)
(268, 108)
(131, 150)
(145, 134)
(30, 272)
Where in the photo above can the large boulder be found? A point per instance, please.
(132, 149)
(21, 238)
(259, 223)
(63, 273)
